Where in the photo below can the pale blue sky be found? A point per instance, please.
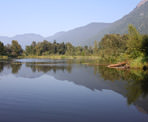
(47, 17)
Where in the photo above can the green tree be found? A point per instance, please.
(95, 50)
(134, 42)
(8, 50)
(112, 46)
(145, 45)
(16, 49)
(1, 48)
(61, 49)
(69, 49)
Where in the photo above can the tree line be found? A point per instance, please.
(127, 46)
(12, 50)
(47, 48)
(44, 48)
(111, 47)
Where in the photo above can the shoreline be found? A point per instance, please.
(62, 57)
(139, 65)
(4, 57)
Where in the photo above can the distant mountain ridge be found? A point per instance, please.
(75, 36)
(86, 35)
(23, 39)
(78, 35)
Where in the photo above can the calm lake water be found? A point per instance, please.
(43, 90)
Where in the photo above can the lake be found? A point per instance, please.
(44, 90)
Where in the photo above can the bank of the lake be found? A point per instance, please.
(62, 57)
(3, 57)
(94, 60)
(138, 63)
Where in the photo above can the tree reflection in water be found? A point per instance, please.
(46, 67)
(1, 66)
(15, 67)
(137, 81)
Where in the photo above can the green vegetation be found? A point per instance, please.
(16, 49)
(46, 48)
(13, 50)
(3, 57)
(113, 48)
(132, 47)
(1, 48)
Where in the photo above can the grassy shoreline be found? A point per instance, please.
(61, 57)
(134, 64)
(4, 57)
(96, 60)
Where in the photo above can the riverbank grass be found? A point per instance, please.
(61, 57)
(138, 63)
(3, 57)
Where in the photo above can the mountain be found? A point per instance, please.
(5, 39)
(24, 39)
(95, 31)
(86, 35)
(138, 17)
(78, 35)
(142, 2)
(75, 36)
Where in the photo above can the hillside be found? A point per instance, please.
(86, 35)
(78, 35)
(75, 36)
(138, 17)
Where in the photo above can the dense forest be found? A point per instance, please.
(112, 47)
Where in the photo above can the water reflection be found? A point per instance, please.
(132, 84)
(46, 67)
(1, 66)
(137, 86)
(137, 81)
(15, 67)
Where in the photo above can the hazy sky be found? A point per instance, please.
(47, 17)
